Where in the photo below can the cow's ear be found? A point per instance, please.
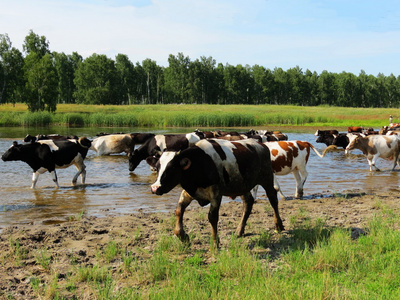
(15, 143)
(185, 163)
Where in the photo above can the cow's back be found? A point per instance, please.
(386, 146)
(241, 164)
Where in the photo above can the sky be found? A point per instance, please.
(335, 36)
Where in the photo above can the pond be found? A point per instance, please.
(111, 189)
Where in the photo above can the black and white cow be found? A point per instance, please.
(49, 155)
(31, 139)
(159, 143)
(214, 168)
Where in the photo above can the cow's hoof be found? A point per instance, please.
(184, 238)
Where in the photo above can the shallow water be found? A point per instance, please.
(111, 189)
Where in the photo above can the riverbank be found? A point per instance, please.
(137, 256)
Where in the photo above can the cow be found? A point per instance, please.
(326, 139)
(213, 168)
(339, 140)
(118, 143)
(290, 157)
(352, 129)
(270, 135)
(374, 146)
(49, 155)
(207, 134)
(370, 131)
(31, 139)
(159, 143)
(342, 139)
(324, 132)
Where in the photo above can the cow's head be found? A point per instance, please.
(171, 166)
(134, 160)
(340, 140)
(353, 144)
(29, 139)
(326, 139)
(13, 153)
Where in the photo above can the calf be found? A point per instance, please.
(48, 155)
(214, 168)
(290, 157)
(118, 143)
(159, 143)
(374, 146)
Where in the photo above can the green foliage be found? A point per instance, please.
(42, 79)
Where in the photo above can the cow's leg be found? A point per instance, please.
(277, 187)
(254, 191)
(372, 162)
(55, 179)
(35, 177)
(248, 202)
(81, 171)
(213, 217)
(299, 184)
(300, 181)
(396, 161)
(273, 199)
(184, 200)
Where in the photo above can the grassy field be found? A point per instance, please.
(208, 116)
(313, 261)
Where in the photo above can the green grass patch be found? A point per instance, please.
(208, 116)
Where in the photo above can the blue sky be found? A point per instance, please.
(331, 35)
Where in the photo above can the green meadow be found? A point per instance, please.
(208, 116)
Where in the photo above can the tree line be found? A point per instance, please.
(42, 79)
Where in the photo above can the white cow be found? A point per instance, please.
(374, 146)
(112, 143)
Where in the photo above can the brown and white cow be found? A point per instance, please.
(358, 129)
(374, 146)
(214, 168)
(291, 157)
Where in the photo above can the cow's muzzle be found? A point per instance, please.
(155, 189)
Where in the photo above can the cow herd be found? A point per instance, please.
(384, 143)
(207, 165)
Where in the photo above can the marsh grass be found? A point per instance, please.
(208, 116)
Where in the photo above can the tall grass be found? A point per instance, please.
(195, 116)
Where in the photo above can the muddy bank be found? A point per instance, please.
(78, 242)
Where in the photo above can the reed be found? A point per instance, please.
(207, 116)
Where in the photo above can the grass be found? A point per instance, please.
(196, 116)
(311, 261)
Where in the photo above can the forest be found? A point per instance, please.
(42, 79)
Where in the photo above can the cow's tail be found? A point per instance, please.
(85, 142)
(328, 149)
